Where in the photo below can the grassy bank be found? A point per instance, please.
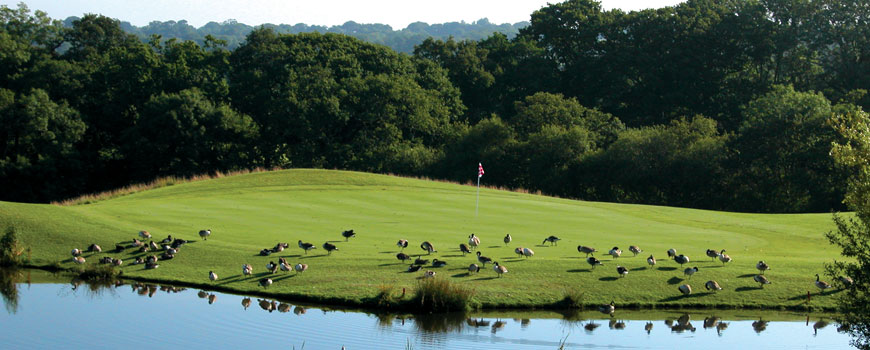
(250, 212)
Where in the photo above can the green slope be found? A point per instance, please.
(247, 213)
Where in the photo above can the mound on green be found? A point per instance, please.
(252, 212)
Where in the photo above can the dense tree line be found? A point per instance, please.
(708, 104)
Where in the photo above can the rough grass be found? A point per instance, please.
(249, 212)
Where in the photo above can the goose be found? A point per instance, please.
(681, 259)
(402, 243)
(178, 242)
(685, 289)
(151, 259)
(607, 308)
(306, 246)
(519, 251)
(169, 250)
(846, 281)
(482, 259)
(586, 250)
(204, 234)
(246, 302)
(420, 261)
(761, 280)
(712, 254)
(672, 253)
(507, 239)
(499, 269)
(690, 271)
(552, 239)
(724, 258)
(106, 260)
(265, 252)
(429, 274)
(136, 243)
(528, 252)
(117, 262)
(762, 266)
(414, 268)
(138, 261)
(635, 250)
(285, 266)
(822, 285)
(473, 241)
(712, 285)
(428, 247)
(153, 246)
(212, 276)
(300, 268)
(278, 248)
(167, 240)
(593, 261)
(473, 268)
(621, 271)
(247, 269)
(464, 249)
(265, 282)
(151, 266)
(438, 263)
(79, 260)
(94, 248)
(651, 260)
(272, 267)
(144, 234)
(119, 248)
(76, 252)
(329, 247)
(403, 257)
(615, 252)
(166, 256)
(348, 234)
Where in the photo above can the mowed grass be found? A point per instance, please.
(247, 213)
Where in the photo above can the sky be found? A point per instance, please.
(396, 13)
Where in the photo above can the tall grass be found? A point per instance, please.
(10, 249)
(440, 295)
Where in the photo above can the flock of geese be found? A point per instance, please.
(170, 246)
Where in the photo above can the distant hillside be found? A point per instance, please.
(400, 40)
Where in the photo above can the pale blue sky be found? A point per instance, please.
(396, 13)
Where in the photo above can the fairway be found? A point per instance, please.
(247, 213)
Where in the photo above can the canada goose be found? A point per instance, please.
(94, 248)
(212, 276)
(150, 266)
(136, 243)
(166, 256)
(428, 247)
(846, 281)
(438, 263)
(712, 254)
(507, 239)
(761, 280)
(528, 252)
(500, 270)
(762, 266)
(178, 242)
(169, 250)
(204, 234)
(329, 247)
(593, 261)
(278, 248)
(420, 261)
(306, 246)
(284, 266)
(246, 302)
(300, 268)
(403, 257)
(429, 274)
(464, 249)
(414, 268)
(635, 249)
(672, 253)
(681, 259)
(151, 259)
(138, 261)
(690, 271)
(144, 234)
(621, 271)
(348, 234)
(822, 284)
(712, 285)
(265, 282)
(586, 250)
(724, 258)
(272, 267)
(167, 240)
(473, 268)
(79, 260)
(615, 252)
(473, 241)
(685, 289)
(519, 251)
(482, 259)
(247, 269)
(76, 252)
(607, 308)
(265, 252)
(651, 261)
(552, 239)
(153, 246)
(117, 262)
(402, 243)
(106, 260)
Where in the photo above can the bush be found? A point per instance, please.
(98, 272)
(439, 295)
(10, 249)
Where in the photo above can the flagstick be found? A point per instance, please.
(476, 204)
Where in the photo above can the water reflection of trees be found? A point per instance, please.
(9, 279)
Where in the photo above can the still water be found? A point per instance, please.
(50, 315)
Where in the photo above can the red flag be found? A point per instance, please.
(479, 170)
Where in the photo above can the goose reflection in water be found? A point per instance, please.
(246, 302)
(759, 326)
(284, 307)
(711, 322)
(298, 310)
(616, 324)
(721, 327)
(589, 327)
(212, 298)
(819, 325)
(497, 326)
(648, 327)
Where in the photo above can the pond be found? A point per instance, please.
(53, 312)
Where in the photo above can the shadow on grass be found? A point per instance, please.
(461, 275)
(747, 288)
(337, 241)
(579, 270)
(683, 297)
(485, 278)
(387, 252)
(662, 268)
(494, 246)
(746, 275)
(454, 256)
(639, 268)
(675, 280)
(817, 294)
(284, 277)
(397, 263)
(608, 278)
